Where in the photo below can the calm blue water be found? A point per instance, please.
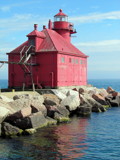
(94, 138)
(3, 83)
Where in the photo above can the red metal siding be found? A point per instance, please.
(71, 72)
(45, 73)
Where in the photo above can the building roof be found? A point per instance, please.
(52, 42)
(19, 48)
(36, 33)
(60, 13)
(55, 42)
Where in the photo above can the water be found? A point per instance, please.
(104, 83)
(94, 138)
(3, 83)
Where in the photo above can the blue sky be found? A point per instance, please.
(97, 23)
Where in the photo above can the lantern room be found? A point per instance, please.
(62, 26)
(60, 16)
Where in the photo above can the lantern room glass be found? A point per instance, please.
(61, 18)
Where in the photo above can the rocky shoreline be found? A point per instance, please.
(24, 113)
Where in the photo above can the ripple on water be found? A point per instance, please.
(95, 138)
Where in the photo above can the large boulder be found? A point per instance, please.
(24, 112)
(35, 120)
(10, 130)
(29, 97)
(7, 106)
(103, 92)
(51, 110)
(18, 104)
(110, 90)
(114, 101)
(83, 110)
(115, 94)
(37, 106)
(71, 102)
(63, 111)
(4, 112)
(5, 99)
(51, 99)
(72, 92)
(99, 99)
(36, 103)
(59, 94)
(96, 106)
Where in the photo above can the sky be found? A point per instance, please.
(97, 23)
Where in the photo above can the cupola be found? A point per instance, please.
(60, 16)
(35, 37)
(62, 26)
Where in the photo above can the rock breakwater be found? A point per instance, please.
(24, 113)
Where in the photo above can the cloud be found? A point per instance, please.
(20, 22)
(5, 8)
(96, 17)
(100, 46)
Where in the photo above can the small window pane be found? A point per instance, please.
(63, 60)
(81, 61)
(76, 61)
(72, 60)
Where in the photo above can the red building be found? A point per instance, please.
(48, 59)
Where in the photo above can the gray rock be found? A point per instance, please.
(60, 118)
(5, 99)
(24, 112)
(59, 94)
(51, 121)
(35, 120)
(9, 130)
(51, 110)
(114, 101)
(98, 108)
(84, 110)
(51, 99)
(71, 102)
(29, 131)
(110, 90)
(99, 99)
(0, 129)
(18, 104)
(37, 106)
(103, 92)
(29, 97)
(63, 111)
(72, 92)
(7, 106)
(4, 112)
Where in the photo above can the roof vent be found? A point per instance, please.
(35, 26)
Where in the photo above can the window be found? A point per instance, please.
(76, 61)
(31, 42)
(63, 59)
(60, 18)
(81, 61)
(72, 60)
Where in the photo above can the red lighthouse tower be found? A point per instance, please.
(48, 59)
(62, 26)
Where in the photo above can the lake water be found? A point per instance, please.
(93, 138)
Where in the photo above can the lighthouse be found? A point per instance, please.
(48, 59)
(62, 26)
